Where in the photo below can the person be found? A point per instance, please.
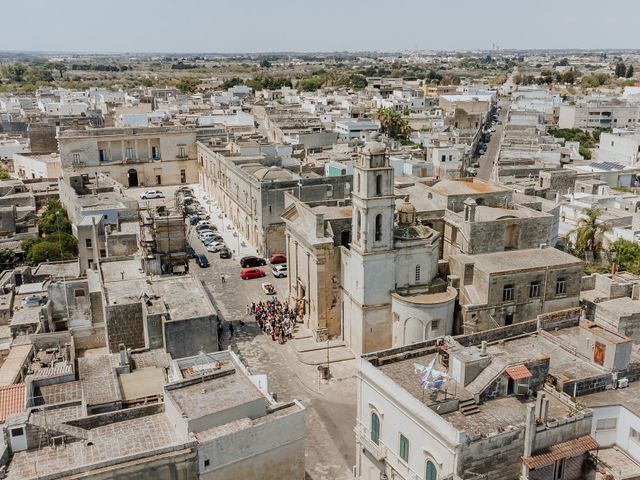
(231, 329)
(222, 278)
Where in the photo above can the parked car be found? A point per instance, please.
(194, 219)
(280, 271)
(225, 253)
(149, 194)
(250, 261)
(206, 232)
(206, 226)
(215, 246)
(212, 239)
(278, 258)
(191, 253)
(268, 288)
(202, 261)
(247, 273)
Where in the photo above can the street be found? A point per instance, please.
(493, 147)
(331, 409)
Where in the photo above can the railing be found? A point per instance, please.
(363, 435)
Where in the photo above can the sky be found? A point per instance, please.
(253, 26)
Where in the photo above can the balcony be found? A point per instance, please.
(363, 435)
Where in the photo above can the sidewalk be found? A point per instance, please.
(232, 238)
(311, 352)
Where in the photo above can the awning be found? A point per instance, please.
(552, 454)
(519, 372)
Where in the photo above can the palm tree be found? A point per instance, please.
(392, 123)
(589, 232)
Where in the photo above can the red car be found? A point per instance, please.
(278, 258)
(252, 272)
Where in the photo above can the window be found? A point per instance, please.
(507, 293)
(534, 289)
(78, 292)
(207, 463)
(155, 153)
(434, 325)
(76, 158)
(633, 434)
(606, 424)
(378, 184)
(561, 286)
(182, 152)
(404, 448)
(129, 153)
(183, 176)
(88, 243)
(444, 158)
(418, 273)
(432, 472)
(378, 235)
(17, 432)
(375, 428)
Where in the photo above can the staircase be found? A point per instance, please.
(468, 406)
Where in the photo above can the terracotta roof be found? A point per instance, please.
(11, 400)
(551, 454)
(518, 372)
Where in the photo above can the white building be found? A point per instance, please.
(391, 294)
(348, 129)
(27, 165)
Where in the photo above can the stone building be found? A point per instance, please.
(314, 235)
(146, 415)
(249, 189)
(132, 156)
(391, 292)
(497, 289)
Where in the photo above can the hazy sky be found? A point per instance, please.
(319, 25)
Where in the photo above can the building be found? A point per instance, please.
(250, 190)
(148, 416)
(408, 302)
(349, 129)
(132, 156)
(490, 417)
(26, 165)
(599, 113)
(502, 288)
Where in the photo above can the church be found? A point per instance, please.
(367, 272)
(390, 288)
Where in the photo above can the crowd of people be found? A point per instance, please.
(275, 318)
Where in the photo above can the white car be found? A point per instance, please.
(215, 246)
(149, 194)
(280, 270)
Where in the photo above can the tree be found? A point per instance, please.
(54, 219)
(57, 246)
(393, 124)
(4, 174)
(264, 63)
(627, 255)
(589, 232)
(630, 71)
(188, 84)
(620, 70)
(59, 67)
(8, 259)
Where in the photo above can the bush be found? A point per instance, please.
(54, 219)
(57, 246)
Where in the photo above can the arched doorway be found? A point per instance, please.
(132, 177)
(414, 331)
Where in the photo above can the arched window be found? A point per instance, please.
(375, 428)
(378, 227)
(378, 184)
(432, 472)
(358, 225)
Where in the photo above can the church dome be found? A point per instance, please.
(406, 213)
(374, 148)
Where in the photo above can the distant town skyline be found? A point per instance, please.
(147, 26)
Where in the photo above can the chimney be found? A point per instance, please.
(123, 355)
(483, 347)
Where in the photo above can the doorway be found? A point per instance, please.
(132, 178)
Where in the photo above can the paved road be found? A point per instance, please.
(331, 410)
(493, 147)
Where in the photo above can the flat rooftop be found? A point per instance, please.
(182, 296)
(530, 259)
(474, 186)
(106, 445)
(230, 389)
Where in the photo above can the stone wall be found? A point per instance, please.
(125, 325)
(497, 456)
(185, 338)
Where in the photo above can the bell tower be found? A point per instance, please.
(373, 200)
